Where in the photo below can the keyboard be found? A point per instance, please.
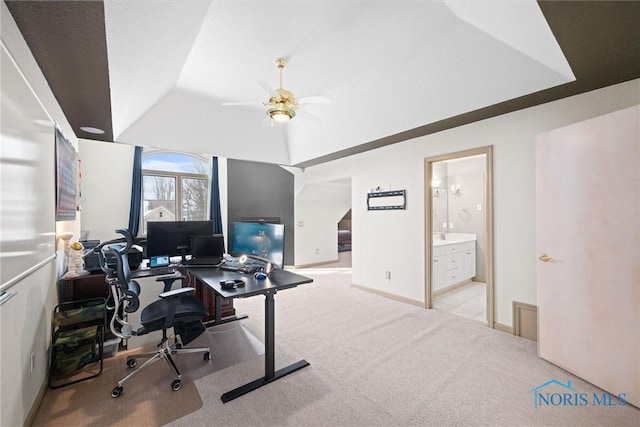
(237, 266)
(149, 272)
(203, 262)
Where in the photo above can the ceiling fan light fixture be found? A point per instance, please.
(281, 114)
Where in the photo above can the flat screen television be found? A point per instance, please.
(173, 238)
(262, 240)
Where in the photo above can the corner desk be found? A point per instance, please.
(277, 280)
(94, 286)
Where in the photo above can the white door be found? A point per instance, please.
(588, 241)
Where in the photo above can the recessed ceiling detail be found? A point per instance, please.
(391, 71)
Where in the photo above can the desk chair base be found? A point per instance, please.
(164, 352)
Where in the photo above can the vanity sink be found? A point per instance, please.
(440, 242)
(453, 260)
(452, 238)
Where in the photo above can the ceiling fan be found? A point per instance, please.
(282, 104)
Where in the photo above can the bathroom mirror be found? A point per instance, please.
(440, 203)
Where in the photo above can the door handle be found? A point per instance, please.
(544, 257)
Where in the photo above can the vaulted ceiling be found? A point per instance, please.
(157, 73)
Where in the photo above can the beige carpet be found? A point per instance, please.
(147, 399)
(374, 362)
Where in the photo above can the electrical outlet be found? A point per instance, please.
(317, 251)
(387, 275)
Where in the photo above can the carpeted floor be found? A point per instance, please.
(147, 399)
(374, 361)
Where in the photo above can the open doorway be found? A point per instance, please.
(344, 241)
(324, 231)
(459, 233)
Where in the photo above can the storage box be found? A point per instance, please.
(110, 348)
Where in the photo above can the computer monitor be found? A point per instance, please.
(262, 240)
(207, 246)
(173, 238)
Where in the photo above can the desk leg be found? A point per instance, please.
(270, 374)
(269, 336)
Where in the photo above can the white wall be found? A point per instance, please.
(25, 320)
(107, 171)
(319, 206)
(394, 240)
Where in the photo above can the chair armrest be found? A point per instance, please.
(170, 277)
(175, 292)
(168, 281)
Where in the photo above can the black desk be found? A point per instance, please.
(278, 280)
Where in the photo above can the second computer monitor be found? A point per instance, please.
(262, 240)
(173, 238)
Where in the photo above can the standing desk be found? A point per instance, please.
(277, 280)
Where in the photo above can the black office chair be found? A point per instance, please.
(178, 309)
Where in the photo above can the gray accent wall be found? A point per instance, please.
(261, 190)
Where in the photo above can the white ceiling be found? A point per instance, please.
(386, 66)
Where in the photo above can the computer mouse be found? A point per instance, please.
(260, 275)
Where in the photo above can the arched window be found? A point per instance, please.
(175, 187)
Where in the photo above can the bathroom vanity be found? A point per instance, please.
(453, 260)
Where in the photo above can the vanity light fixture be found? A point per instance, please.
(435, 185)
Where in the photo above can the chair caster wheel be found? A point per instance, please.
(117, 391)
(176, 385)
(131, 363)
(207, 356)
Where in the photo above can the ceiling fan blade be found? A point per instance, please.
(240, 103)
(306, 116)
(267, 87)
(316, 99)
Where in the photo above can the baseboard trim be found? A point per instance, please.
(315, 264)
(31, 416)
(503, 328)
(452, 287)
(389, 295)
(525, 320)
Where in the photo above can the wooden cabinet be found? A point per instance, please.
(94, 285)
(452, 263)
(439, 272)
(469, 263)
(454, 268)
